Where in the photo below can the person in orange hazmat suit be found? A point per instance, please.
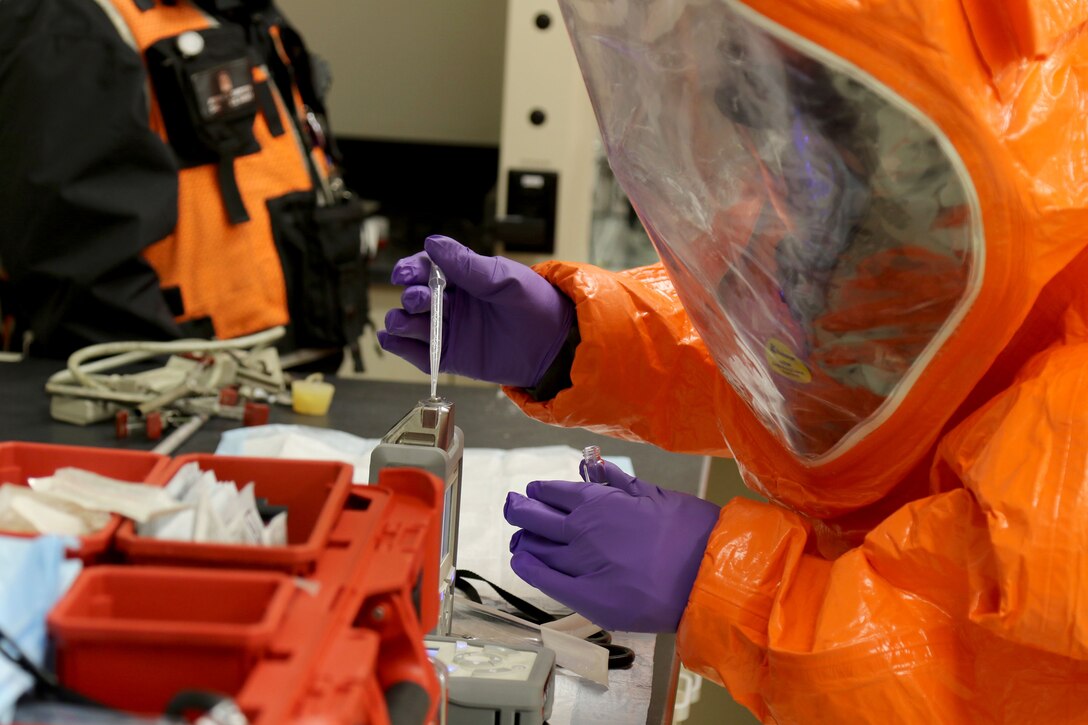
(872, 220)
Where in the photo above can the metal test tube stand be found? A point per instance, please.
(427, 438)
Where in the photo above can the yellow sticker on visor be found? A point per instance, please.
(785, 363)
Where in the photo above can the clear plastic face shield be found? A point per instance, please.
(822, 234)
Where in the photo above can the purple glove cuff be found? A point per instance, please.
(566, 320)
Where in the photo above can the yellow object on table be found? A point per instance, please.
(312, 396)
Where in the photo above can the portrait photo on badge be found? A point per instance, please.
(223, 88)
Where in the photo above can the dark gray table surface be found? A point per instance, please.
(367, 409)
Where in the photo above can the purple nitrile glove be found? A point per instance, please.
(502, 321)
(622, 553)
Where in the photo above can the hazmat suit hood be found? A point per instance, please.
(858, 203)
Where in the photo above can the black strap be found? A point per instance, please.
(356, 352)
(143, 5)
(268, 108)
(174, 300)
(351, 309)
(199, 327)
(232, 195)
(619, 657)
(534, 614)
(467, 589)
(46, 686)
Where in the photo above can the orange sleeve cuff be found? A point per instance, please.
(641, 372)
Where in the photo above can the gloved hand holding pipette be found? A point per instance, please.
(624, 555)
(502, 322)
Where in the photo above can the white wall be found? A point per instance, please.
(542, 73)
(410, 70)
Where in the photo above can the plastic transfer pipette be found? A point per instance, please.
(437, 283)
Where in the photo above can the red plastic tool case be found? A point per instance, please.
(20, 461)
(313, 491)
(331, 647)
(204, 627)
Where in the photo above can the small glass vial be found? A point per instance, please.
(594, 468)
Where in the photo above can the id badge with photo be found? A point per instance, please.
(223, 90)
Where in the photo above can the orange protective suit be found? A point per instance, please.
(924, 556)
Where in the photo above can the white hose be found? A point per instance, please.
(81, 376)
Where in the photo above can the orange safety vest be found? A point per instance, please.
(222, 259)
